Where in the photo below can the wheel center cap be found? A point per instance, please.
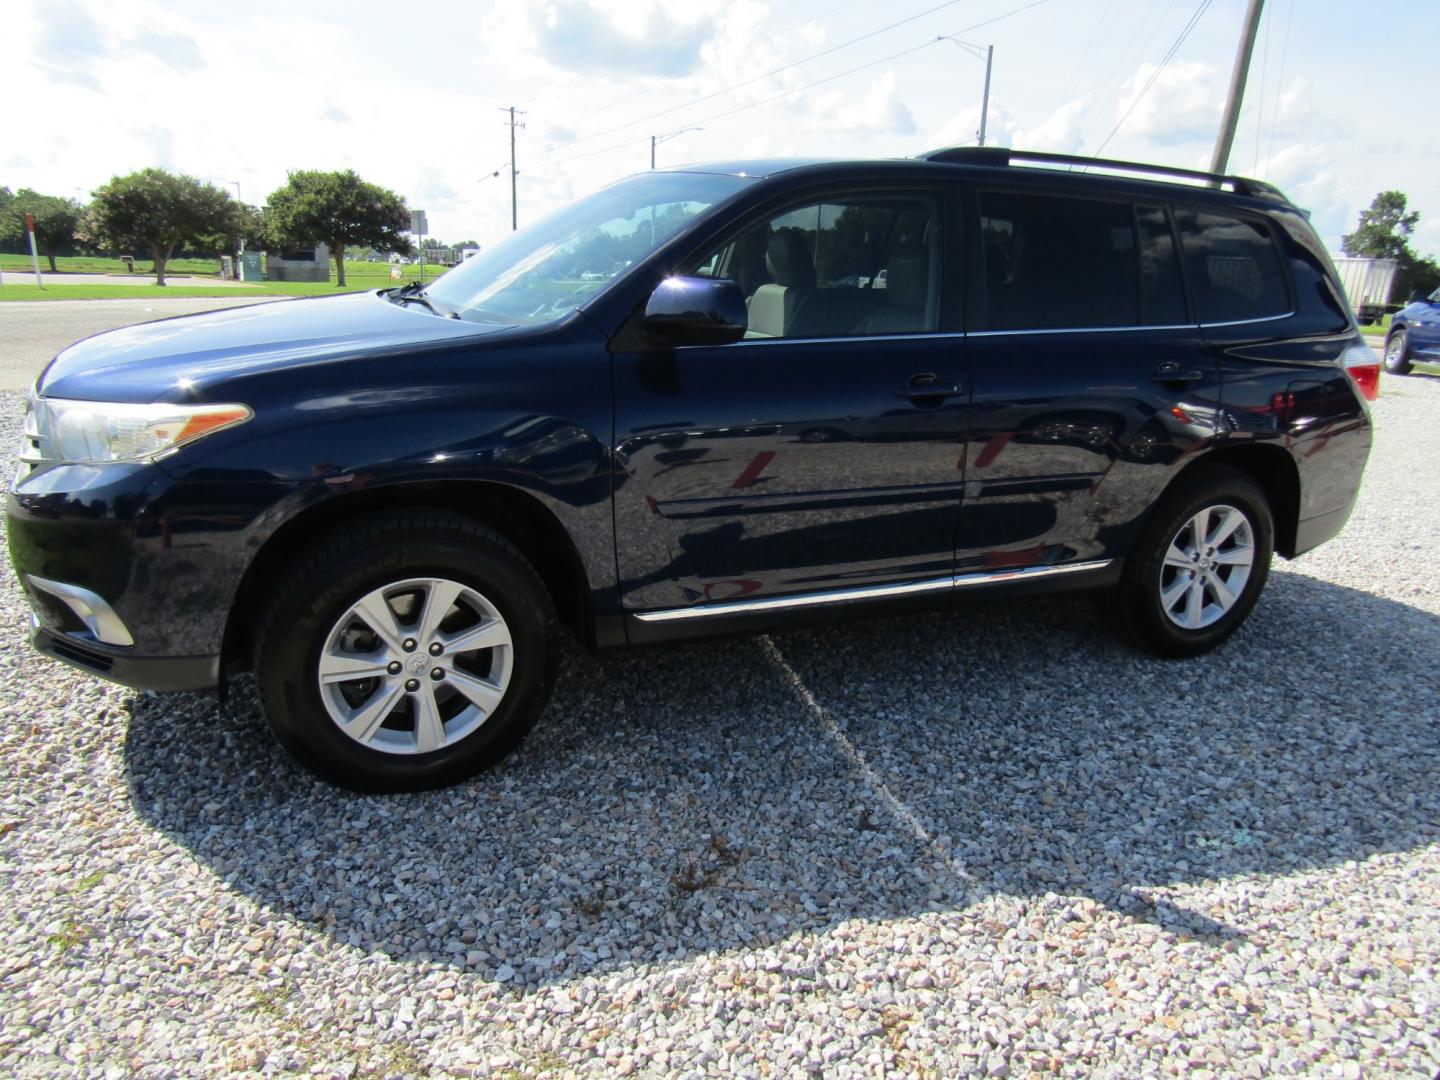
(417, 664)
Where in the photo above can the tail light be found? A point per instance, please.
(1363, 367)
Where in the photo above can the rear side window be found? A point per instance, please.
(1233, 267)
(1053, 263)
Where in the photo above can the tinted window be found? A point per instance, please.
(1233, 267)
(1057, 263)
(838, 268)
(1162, 299)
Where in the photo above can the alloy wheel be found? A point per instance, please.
(1206, 567)
(415, 666)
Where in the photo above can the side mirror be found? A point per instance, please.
(696, 311)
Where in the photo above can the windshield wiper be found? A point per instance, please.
(415, 291)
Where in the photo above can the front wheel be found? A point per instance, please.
(1199, 565)
(1397, 353)
(406, 651)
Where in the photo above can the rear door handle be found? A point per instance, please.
(1172, 372)
(930, 390)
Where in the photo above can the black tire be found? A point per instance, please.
(1397, 352)
(371, 553)
(1142, 611)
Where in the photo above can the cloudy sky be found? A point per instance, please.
(410, 95)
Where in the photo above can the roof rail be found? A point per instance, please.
(999, 156)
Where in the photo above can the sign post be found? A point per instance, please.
(418, 226)
(34, 255)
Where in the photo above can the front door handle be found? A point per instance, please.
(1172, 372)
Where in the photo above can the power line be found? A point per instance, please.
(1134, 46)
(656, 82)
(1180, 40)
(1279, 90)
(1264, 82)
(769, 74)
(798, 90)
(1111, 9)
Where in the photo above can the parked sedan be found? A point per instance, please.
(1414, 335)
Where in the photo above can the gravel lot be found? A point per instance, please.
(995, 842)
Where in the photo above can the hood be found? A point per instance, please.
(173, 359)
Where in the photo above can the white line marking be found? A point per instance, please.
(852, 753)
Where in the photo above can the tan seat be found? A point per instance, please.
(779, 309)
(907, 287)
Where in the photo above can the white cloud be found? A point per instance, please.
(246, 92)
(1060, 133)
(1182, 104)
(878, 111)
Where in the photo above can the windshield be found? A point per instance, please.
(546, 270)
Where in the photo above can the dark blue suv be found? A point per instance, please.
(698, 402)
(1414, 334)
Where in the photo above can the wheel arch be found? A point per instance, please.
(518, 515)
(1272, 468)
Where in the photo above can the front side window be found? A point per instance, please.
(1233, 267)
(545, 271)
(838, 268)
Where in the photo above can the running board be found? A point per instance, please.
(868, 592)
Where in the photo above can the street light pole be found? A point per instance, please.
(656, 140)
(241, 202)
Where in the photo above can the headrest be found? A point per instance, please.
(787, 257)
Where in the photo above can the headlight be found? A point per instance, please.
(95, 432)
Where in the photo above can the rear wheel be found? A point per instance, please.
(1199, 565)
(1397, 353)
(406, 651)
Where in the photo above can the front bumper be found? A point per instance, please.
(126, 576)
(123, 666)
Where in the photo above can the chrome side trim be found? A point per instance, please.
(1025, 573)
(1081, 330)
(98, 616)
(833, 339)
(868, 592)
(1247, 322)
(945, 334)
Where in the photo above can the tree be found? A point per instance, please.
(156, 210)
(56, 220)
(244, 226)
(1384, 230)
(337, 208)
(7, 224)
(1384, 233)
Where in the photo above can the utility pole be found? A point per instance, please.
(512, 124)
(1231, 117)
(985, 100)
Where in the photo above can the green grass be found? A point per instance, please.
(358, 277)
(85, 264)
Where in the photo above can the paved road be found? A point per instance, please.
(31, 332)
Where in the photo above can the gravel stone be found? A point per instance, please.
(996, 842)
